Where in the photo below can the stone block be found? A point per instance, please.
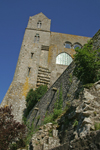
(86, 121)
(55, 133)
(87, 113)
(88, 96)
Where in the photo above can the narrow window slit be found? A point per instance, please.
(29, 70)
(32, 55)
(36, 38)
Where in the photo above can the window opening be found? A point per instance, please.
(77, 45)
(36, 38)
(39, 24)
(64, 59)
(67, 45)
(32, 55)
(29, 70)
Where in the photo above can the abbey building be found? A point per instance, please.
(43, 57)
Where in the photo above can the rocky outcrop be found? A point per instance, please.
(46, 138)
(77, 126)
(90, 142)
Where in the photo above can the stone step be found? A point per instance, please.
(43, 82)
(43, 73)
(42, 76)
(44, 69)
(43, 79)
(38, 84)
(41, 70)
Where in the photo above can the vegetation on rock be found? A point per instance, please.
(58, 108)
(97, 126)
(87, 62)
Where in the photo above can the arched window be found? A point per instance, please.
(36, 38)
(64, 59)
(67, 45)
(39, 23)
(77, 45)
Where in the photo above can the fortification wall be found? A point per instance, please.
(69, 90)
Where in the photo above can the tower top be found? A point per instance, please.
(39, 22)
(40, 14)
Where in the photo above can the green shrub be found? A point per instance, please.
(33, 97)
(87, 62)
(50, 133)
(95, 113)
(57, 113)
(88, 86)
(75, 123)
(48, 118)
(97, 126)
(29, 133)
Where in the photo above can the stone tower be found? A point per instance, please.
(36, 34)
(44, 55)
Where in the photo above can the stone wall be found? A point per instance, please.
(69, 89)
(57, 41)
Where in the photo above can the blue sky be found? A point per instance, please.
(77, 17)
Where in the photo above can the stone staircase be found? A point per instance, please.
(43, 77)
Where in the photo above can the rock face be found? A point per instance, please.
(90, 142)
(46, 138)
(77, 126)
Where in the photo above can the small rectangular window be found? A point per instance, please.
(36, 38)
(32, 55)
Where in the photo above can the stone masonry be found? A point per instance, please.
(37, 60)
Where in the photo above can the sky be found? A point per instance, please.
(77, 17)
